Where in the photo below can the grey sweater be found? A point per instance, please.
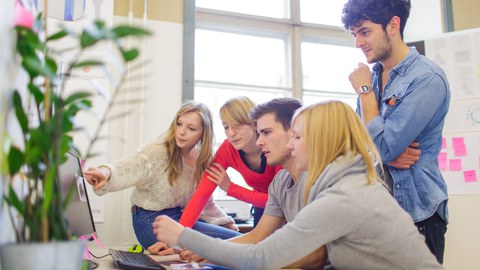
(362, 226)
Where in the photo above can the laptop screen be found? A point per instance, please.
(78, 214)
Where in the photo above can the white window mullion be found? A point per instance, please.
(296, 58)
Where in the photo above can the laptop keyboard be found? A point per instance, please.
(128, 260)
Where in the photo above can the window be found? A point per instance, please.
(271, 48)
(267, 8)
(322, 12)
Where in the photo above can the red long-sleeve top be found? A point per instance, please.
(229, 157)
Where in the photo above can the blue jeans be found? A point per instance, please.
(257, 213)
(142, 224)
(434, 229)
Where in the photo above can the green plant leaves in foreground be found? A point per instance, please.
(46, 114)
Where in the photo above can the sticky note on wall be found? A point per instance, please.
(455, 164)
(442, 161)
(470, 176)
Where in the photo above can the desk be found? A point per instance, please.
(106, 263)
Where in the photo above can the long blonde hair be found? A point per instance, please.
(332, 129)
(205, 145)
(236, 110)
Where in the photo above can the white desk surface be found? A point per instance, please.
(106, 263)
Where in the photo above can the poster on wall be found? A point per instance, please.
(458, 54)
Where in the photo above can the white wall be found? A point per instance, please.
(162, 88)
(7, 73)
(425, 20)
(162, 53)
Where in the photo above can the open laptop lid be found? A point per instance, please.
(78, 214)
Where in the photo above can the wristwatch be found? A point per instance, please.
(364, 89)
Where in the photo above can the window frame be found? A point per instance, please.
(292, 30)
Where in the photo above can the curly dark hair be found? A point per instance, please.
(378, 11)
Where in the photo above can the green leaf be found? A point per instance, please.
(100, 24)
(32, 65)
(60, 34)
(13, 200)
(130, 54)
(20, 113)
(88, 63)
(15, 160)
(125, 30)
(24, 48)
(33, 155)
(29, 36)
(36, 92)
(42, 137)
(66, 143)
(87, 40)
(76, 96)
(50, 67)
(92, 34)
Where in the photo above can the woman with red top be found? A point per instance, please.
(239, 152)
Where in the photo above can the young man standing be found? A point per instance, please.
(285, 194)
(403, 102)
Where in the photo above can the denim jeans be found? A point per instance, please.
(257, 213)
(434, 229)
(142, 224)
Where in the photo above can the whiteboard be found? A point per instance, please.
(459, 56)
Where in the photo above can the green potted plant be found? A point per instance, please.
(37, 211)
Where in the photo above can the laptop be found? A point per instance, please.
(128, 260)
(78, 214)
(135, 261)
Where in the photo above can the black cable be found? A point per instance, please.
(99, 257)
(92, 264)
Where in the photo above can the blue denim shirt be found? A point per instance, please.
(414, 104)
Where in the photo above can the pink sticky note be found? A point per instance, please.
(460, 151)
(457, 141)
(442, 161)
(444, 143)
(442, 164)
(470, 176)
(455, 164)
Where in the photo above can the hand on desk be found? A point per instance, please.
(160, 248)
(191, 256)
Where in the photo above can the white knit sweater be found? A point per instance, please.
(144, 170)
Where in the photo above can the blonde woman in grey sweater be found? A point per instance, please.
(347, 207)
